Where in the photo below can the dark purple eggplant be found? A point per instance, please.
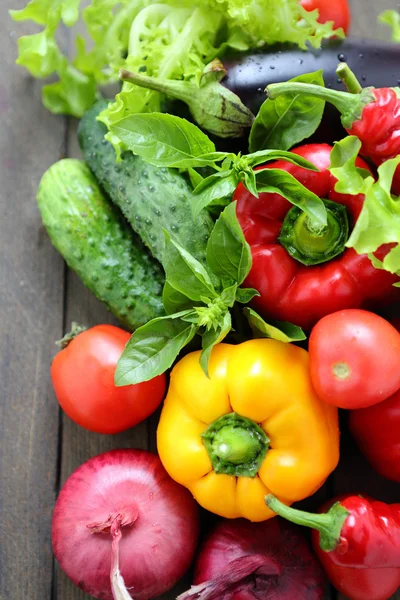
(374, 63)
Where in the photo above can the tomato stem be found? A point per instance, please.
(76, 329)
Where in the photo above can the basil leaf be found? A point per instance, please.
(185, 273)
(343, 166)
(284, 122)
(262, 156)
(191, 317)
(250, 182)
(153, 348)
(217, 188)
(228, 253)
(244, 295)
(281, 331)
(195, 177)
(218, 156)
(283, 183)
(228, 295)
(211, 180)
(213, 337)
(173, 300)
(164, 140)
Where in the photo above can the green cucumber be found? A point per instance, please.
(152, 199)
(97, 243)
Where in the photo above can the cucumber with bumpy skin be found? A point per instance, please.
(152, 199)
(97, 243)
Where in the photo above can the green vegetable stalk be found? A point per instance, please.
(215, 108)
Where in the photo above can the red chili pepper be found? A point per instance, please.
(337, 11)
(290, 290)
(357, 542)
(372, 114)
(377, 431)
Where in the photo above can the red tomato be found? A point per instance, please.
(337, 11)
(354, 359)
(83, 380)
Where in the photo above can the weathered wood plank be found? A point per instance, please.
(31, 282)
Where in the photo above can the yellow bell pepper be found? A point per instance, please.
(254, 427)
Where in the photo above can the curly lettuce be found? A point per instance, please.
(391, 18)
(171, 38)
(379, 220)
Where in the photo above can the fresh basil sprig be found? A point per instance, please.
(197, 300)
(168, 141)
(289, 119)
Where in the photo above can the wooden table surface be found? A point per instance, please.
(39, 447)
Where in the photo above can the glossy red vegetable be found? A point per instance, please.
(357, 542)
(289, 290)
(354, 359)
(372, 114)
(377, 432)
(83, 380)
(241, 560)
(337, 11)
(120, 522)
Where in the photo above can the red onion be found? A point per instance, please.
(121, 523)
(241, 560)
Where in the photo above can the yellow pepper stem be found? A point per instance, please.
(236, 445)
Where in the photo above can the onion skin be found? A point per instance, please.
(284, 567)
(155, 551)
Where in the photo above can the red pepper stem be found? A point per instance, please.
(350, 106)
(342, 100)
(328, 524)
(346, 75)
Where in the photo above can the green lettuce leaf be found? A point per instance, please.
(379, 220)
(169, 39)
(262, 22)
(392, 18)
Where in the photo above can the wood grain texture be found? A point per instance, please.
(38, 301)
(365, 18)
(31, 302)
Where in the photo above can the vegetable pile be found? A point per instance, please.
(261, 271)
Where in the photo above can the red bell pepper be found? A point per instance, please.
(284, 246)
(372, 114)
(377, 432)
(357, 542)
